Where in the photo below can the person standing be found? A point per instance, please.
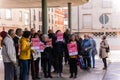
(9, 55)
(16, 39)
(93, 51)
(25, 54)
(87, 46)
(59, 49)
(46, 57)
(103, 54)
(66, 38)
(73, 60)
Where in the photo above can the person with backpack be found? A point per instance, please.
(104, 51)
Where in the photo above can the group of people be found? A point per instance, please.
(17, 51)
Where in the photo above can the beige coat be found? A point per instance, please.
(103, 46)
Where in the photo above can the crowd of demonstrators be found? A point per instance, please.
(18, 51)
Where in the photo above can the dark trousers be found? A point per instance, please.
(8, 71)
(87, 61)
(66, 55)
(93, 60)
(104, 62)
(73, 66)
(59, 63)
(23, 69)
(35, 68)
(46, 65)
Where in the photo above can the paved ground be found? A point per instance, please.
(113, 72)
(93, 74)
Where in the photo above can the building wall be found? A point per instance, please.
(14, 18)
(55, 19)
(89, 14)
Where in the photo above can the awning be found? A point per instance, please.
(37, 3)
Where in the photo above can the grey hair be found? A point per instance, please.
(10, 31)
(45, 35)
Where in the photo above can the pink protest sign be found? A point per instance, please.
(72, 49)
(36, 45)
(59, 36)
(35, 40)
(41, 47)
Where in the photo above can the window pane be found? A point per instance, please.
(8, 14)
(26, 19)
(107, 3)
(87, 21)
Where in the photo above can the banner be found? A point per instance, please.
(59, 36)
(35, 40)
(72, 49)
(41, 47)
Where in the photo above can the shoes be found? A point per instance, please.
(105, 68)
(37, 77)
(50, 77)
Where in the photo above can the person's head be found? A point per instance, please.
(19, 32)
(11, 32)
(32, 31)
(50, 31)
(36, 35)
(3, 34)
(39, 32)
(45, 37)
(58, 31)
(25, 29)
(86, 37)
(104, 38)
(72, 37)
(26, 34)
(67, 31)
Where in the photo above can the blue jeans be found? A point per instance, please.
(8, 71)
(23, 69)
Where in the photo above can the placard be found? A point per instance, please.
(72, 49)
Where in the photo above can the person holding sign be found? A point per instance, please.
(35, 57)
(46, 56)
(59, 47)
(25, 52)
(73, 55)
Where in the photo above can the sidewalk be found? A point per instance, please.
(93, 74)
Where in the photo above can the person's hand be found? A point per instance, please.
(14, 63)
(31, 44)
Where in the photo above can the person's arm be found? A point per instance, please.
(104, 44)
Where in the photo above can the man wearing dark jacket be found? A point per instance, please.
(16, 39)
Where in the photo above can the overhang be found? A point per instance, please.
(37, 3)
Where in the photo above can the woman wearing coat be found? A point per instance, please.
(103, 54)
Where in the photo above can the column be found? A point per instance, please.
(69, 16)
(44, 16)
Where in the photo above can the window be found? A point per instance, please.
(26, 19)
(88, 5)
(40, 16)
(87, 21)
(107, 3)
(20, 16)
(8, 14)
(34, 16)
